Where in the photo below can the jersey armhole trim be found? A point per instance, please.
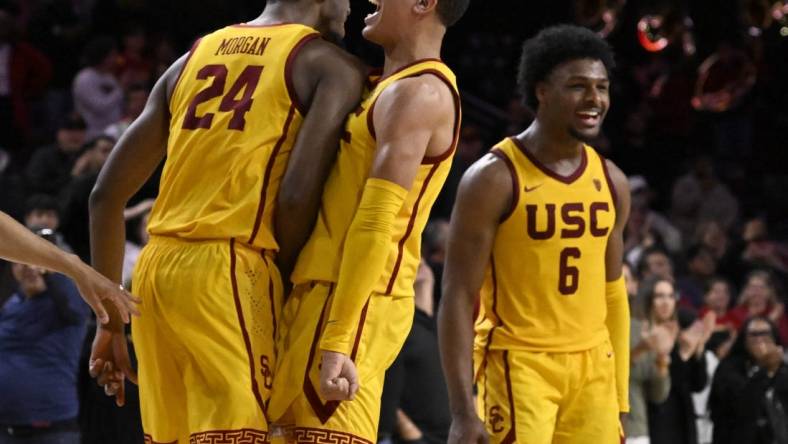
(291, 91)
(428, 160)
(610, 186)
(515, 183)
(457, 120)
(183, 69)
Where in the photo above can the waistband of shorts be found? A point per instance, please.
(181, 242)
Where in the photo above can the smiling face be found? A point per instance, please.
(575, 97)
(388, 19)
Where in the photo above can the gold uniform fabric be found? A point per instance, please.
(387, 316)
(210, 291)
(234, 119)
(542, 353)
(321, 256)
(545, 285)
(205, 340)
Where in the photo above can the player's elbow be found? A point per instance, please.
(101, 197)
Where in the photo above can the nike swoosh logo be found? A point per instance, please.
(528, 190)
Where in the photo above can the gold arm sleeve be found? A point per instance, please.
(364, 256)
(618, 325)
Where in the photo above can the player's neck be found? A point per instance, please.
(410, 49)
(276, 13)
(550, 145)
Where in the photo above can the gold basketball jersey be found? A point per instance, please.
(320, 259)
(545, 284)
(234, 119)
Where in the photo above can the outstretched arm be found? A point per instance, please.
(20, 245)
(484, 195)
(407, 117)
(330, 82)
(618, 322)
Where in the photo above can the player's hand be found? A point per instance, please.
(97, 289)
(110, 364)
(467, 429)
(338, 377)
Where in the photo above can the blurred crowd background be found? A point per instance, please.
(698, 122)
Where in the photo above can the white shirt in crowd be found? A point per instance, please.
(98, 97)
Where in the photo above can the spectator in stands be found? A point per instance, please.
(673, 421)
(759, 298)
(699, 196)
(646, 227)
(42, 212)
(136, 97)
(76, 222)
(655, 262)
(98, 96)
(652, 343)
(49, 170)
(416, 402)
(134, 67)
(93, 157)
(434, 250)
(761, 250)
(41, 331)
(726, 251)
(717, 299)
(701, 266)
(137, 217)
(24, 73)
(749, 395)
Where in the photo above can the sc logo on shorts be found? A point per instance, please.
(266, 373)
(495, 419)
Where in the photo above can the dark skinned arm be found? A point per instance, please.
(330, 82)
(483, 197)
(133, 160)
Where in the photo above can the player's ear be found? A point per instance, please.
(422, 7)
(541, 91)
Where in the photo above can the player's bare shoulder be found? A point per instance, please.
(489, 187)
(426, 97)
(320, 57)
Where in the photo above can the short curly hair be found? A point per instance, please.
(554, 46)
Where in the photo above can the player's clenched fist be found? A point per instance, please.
(467, 429)
(338, 377)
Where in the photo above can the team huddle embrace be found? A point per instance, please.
(278, 283)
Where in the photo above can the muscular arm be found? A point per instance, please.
(407, 116)
(618, 321)
(331, 82)
(133, 160)
(484, 195)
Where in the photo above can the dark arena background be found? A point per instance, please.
(698, 121)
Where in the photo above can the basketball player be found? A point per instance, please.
(537, 227)
(352, 306)
(228, 116)
(20, 245)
